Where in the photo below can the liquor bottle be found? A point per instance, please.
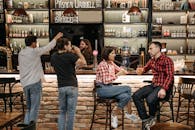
(30, 33)
(11, 33)
(181, 50)
(35, 32)
(39, 33)
(15, 49)
(43, 33)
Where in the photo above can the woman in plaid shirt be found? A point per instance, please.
(107, 72)
(163, 78)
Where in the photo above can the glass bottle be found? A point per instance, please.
(181, 50)
(35, 32)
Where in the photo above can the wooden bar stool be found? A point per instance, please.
(16, 114)
(185, 90)
(101, 118)
(162, 103)
(170, 126)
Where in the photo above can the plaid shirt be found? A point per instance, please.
(162, 70)
(106, 72)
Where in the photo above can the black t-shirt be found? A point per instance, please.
(64, 66)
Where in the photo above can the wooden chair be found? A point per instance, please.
(101, 118)
(169, 100)
(13, 116)
(185, 90)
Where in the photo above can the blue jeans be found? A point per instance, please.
(33, 95)
(150, 93)
(121, 93)
(67, 105)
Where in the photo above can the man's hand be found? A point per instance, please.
(161, 93)
(139, 70)
(76, 50)
(59, 35)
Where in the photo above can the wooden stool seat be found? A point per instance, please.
(170, 126)
(9, 118)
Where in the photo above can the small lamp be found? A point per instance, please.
(134, 10)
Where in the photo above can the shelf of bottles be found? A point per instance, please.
(173, 20)
(1, 12)
(76, 11)
(23, 18)
(123, 29)
(124, 4)
(174, 6)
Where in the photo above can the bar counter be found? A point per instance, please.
(92, 72)
(49, 103)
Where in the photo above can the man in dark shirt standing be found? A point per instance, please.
(163, 78)
(64, 62)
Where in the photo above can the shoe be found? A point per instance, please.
(132, 117)
(152, 121)
(147, 123)
(114, 121)
(22, 125)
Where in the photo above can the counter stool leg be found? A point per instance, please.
(194, 115)
(188, 112)
(123, 119)
(108, 113)
(171, 106)
(178, 108)
(94, 110)
(158, 112)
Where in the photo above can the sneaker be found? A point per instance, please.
(152, 121)
(114, 121)
(132, 117)
(147, 123)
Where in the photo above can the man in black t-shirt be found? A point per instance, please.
(64, 62)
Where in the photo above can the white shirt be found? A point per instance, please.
(30, 66)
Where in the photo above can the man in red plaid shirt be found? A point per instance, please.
(163, 78)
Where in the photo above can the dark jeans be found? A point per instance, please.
(150, 93)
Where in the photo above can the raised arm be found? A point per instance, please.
(51, 45)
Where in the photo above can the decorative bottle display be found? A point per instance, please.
(142, 58)
(1, 12)
(142, 55)
(23, 18)
(125, 53)
(125, 3)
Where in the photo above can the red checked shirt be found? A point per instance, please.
(162, 70)
(106, 72)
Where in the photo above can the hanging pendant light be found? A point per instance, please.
(134, 10)
(69, 11)
(20, 12)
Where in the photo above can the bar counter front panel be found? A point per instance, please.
(49, 103)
